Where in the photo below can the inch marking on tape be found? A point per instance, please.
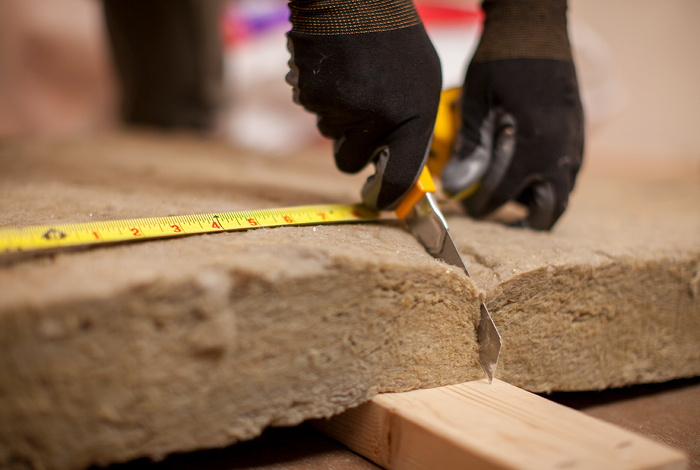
(42, 237)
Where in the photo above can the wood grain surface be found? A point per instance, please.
(497, 426)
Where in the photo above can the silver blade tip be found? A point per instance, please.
(489, 343)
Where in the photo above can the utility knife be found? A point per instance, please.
(427, 224)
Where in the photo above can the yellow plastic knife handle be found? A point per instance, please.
(447, 125)
(424, 185)
(445, 133)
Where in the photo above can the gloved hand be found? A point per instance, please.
(370, 73)
(522, 121)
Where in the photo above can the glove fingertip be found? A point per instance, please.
(545, 204)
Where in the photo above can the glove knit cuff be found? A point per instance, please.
(524, 29)
(332, 17)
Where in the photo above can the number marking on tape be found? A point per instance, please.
(42, 237)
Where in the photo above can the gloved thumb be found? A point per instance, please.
(398, 164)
(470, 160)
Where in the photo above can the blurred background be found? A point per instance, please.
(637, 61)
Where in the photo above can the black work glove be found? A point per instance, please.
(522, 121)
(370, 73)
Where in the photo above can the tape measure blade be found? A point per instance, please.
(43, 237)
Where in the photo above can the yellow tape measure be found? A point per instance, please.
(42, 237)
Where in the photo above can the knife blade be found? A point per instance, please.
(426, 222)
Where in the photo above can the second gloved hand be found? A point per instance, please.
(369, 72)
(522, 121)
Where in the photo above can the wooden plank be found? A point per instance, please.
(479, 426)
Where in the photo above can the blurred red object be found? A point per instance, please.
(443, 15)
